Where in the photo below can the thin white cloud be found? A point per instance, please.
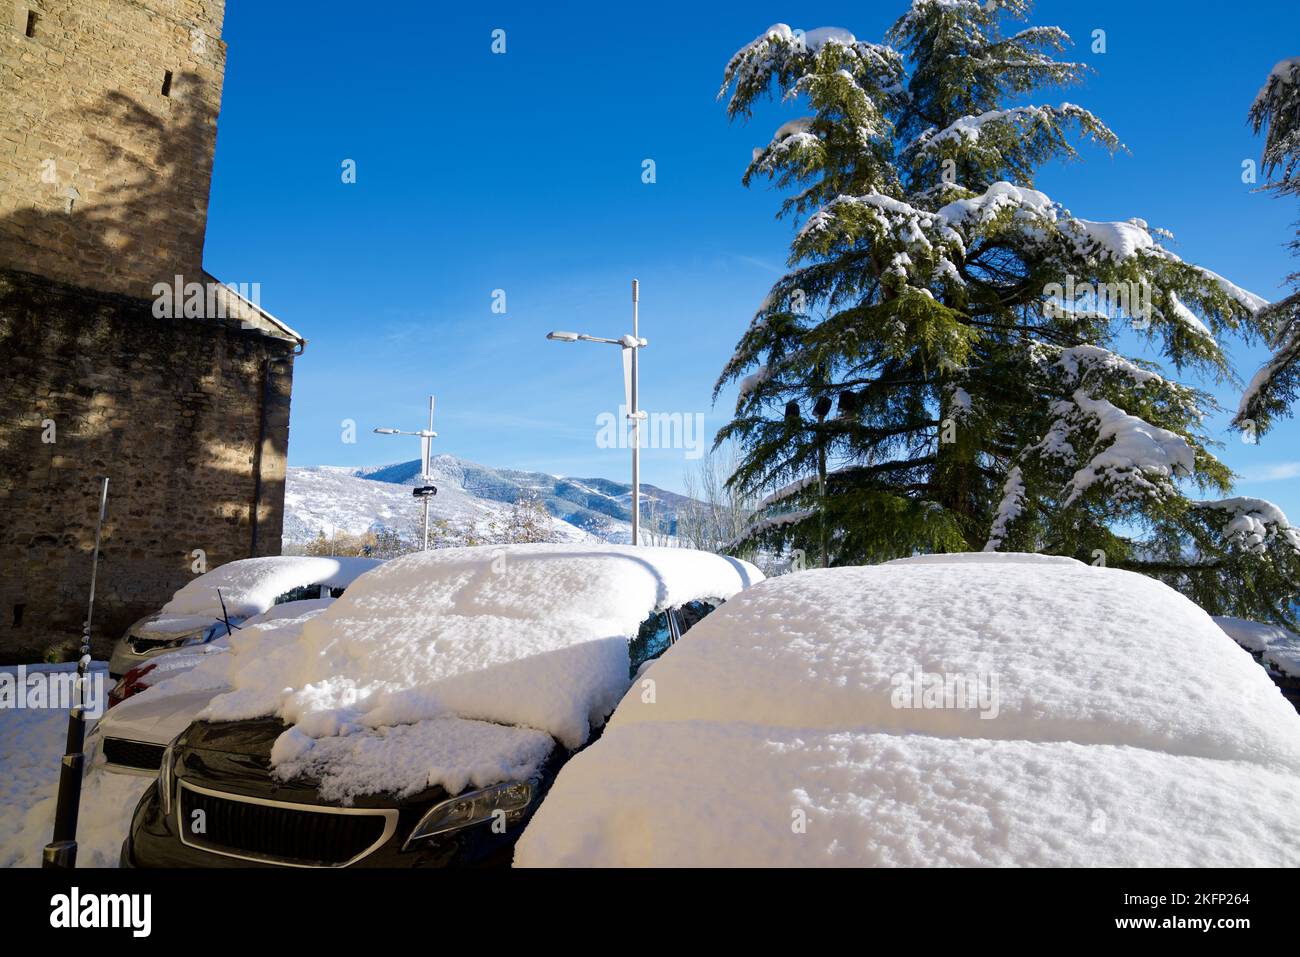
(1272, 473)
(758, 263)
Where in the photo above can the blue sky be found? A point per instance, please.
(522, 172)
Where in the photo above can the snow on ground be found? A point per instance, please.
(327, 499)
(249, 586)
(471, 497)
(530, 635)
(955, 710)
(31, 744)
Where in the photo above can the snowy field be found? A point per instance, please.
(328, 499)
(31, 744)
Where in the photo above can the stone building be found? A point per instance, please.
(119, 355)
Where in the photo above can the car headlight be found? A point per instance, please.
(166, 779)
(501, 802)
(185, 641)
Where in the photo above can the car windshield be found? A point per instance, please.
(691, 613)
(306, 593)
(651, 641)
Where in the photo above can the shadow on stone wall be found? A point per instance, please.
(169, 409)
(143, 226)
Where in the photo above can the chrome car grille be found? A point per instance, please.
(274, 832)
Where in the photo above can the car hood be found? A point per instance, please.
(399, 766)
(252, 738)
(154, 628)
(155, 719)
(235, 756)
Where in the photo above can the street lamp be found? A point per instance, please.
(424, 491)
(631, 346)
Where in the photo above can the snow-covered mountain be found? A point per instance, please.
(329, 498)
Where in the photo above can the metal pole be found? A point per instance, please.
(428, 447)
(61, 852)
(636, 421)
(426, 437)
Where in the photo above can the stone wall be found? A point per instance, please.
(172, 410)
(104, 176)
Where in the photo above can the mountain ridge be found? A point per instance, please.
(325, 499)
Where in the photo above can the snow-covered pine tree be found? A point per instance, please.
(938, 370)
(1276, 385)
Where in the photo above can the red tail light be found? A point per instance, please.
(130, 683)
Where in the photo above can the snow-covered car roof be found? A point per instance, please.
(528, 635)
(956, 710)
(249, 586)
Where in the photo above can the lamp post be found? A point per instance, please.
(631, 346)
(424, 491)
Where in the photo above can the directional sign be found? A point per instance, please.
(424, 491)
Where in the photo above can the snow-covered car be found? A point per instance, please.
(968, 710)
(421, 718)
(132, 735)
(161, 667)
(195, 614)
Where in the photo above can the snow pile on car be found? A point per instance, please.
(405, 759)
(956, 710)
(179, 671)
(528, 635)
(250, 586)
